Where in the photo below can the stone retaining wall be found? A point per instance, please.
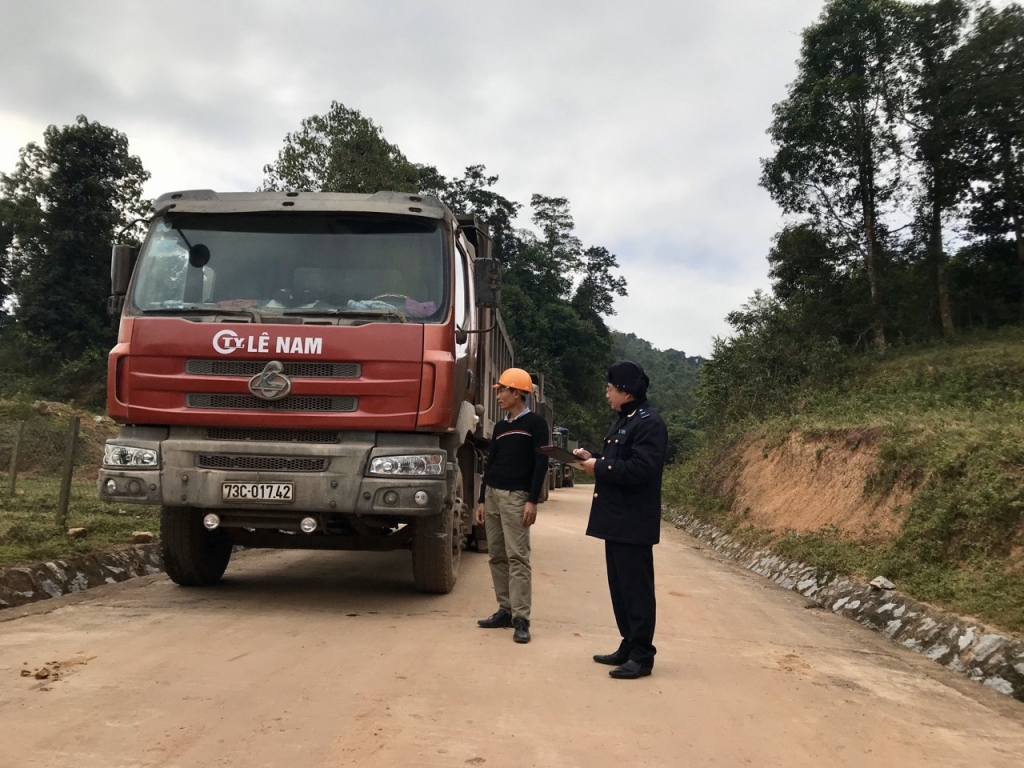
(964, 646)
(21, 585)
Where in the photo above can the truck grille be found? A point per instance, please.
(250, 368)
(252, 403)
(263, 463)
(320, 436)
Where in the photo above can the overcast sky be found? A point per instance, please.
(649, 116)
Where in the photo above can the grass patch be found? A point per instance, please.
(28, 532)
(696, 484)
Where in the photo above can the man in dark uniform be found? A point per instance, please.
(626, 513)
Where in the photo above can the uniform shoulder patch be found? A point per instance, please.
(643, 413)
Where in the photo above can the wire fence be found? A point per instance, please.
(42, 447)
(56, 449)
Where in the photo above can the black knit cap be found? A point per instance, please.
(629, 377)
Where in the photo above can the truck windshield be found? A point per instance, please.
(293, 265)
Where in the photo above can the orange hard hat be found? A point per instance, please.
(515, 378)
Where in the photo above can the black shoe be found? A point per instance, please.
(631, 670)
(501, 619)
(612, 659)
(522, 633)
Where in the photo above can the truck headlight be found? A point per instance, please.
(425, 465)
(121, 456)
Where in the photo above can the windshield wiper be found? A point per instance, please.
(251, 313)
(374, 313)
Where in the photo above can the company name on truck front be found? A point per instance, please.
(227, 342)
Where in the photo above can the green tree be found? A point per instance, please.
(596, 292)
(986, 279)
(990, 87)
(556, 295)
(474, 193)
(342, 151)
(822, 282)
(62, 206)
(763, 367)
(837, 146)
(6, 243)
(549, 262)
(935, 121)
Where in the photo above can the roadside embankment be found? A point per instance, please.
(912, 469)
(20, 585)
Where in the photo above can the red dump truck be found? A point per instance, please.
(305, 371)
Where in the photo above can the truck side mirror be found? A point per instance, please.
(487, 281)
(122, 263)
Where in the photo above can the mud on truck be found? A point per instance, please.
(305, 371)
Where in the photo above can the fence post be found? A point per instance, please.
(69, 469)
(14, 455)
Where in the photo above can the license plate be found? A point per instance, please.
(256, 492)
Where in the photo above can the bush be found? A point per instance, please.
(765, 367)
(35, 369)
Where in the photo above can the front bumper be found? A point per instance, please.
(341, 487)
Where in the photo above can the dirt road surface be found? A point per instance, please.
(331, 659)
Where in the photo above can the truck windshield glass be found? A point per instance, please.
(289, 265)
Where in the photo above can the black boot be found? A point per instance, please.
(522, 633)
(631, 670)
(612, 659)
(501, 619)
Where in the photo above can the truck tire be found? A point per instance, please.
(437, 546)
(193, 556)
(570, 481)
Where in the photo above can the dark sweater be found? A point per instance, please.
(514, 463)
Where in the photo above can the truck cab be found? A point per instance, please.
(304, 370)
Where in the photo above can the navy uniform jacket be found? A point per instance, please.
(627, 496)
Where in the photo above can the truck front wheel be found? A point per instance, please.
(193, 556)
(437, 546)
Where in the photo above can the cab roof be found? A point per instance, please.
(208, 201)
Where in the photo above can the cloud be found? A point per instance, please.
(683, 313)
(648, 116)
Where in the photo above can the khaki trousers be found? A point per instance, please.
(508, 542)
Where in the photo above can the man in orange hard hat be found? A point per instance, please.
(513, 479)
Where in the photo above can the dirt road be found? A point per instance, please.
(327, 659)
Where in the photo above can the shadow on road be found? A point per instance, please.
(350, 583)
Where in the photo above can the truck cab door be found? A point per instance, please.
(463, 300)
